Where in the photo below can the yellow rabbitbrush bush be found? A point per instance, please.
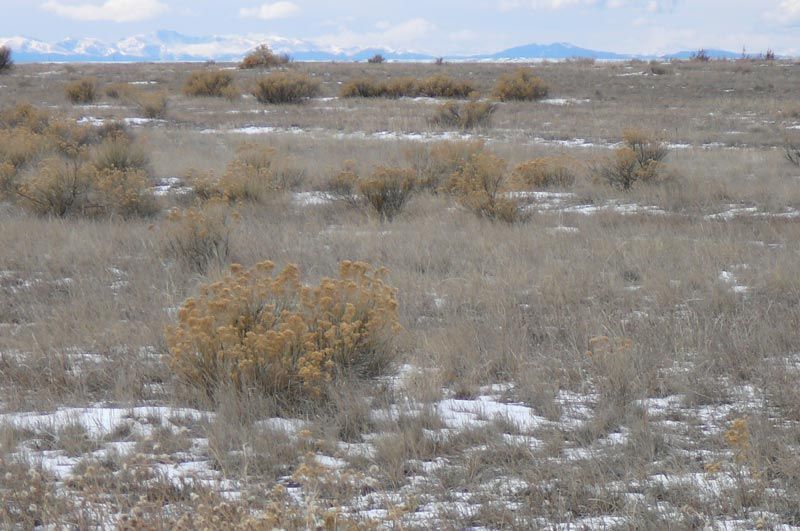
(82, 91)
(62, 187)
(522, 84)
(478, 184)
(211, 83)
(387, 190)
(199, 237)
(543, 172)
(256, 174)
(258, 331)
(285, 87)
(640, 159)
(435, 163)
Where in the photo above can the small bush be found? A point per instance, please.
(363, 88)
(544, 172)
(117, 91)
(441, 86)
(59, 187)
(700, 56)
(464, 116)
(213, 83)
(6, 62)
(344, 184)
(657, 69)
(82, 91)
(478, 185)
(792, 151)
(438, 86)
(263, 57)
(639, 160)
(256, 174)
(253, 330)
(119, 153)
(62, 187)
(376, 59)
(20, 146)
(200, 237)
(520, 85)
(285, 87)
(152, 105)
(387, 190)
(25, 116)
(435, 164)
(402, 87)
(769, 55)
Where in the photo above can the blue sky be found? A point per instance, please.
(434, 26)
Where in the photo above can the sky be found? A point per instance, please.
(438, 27)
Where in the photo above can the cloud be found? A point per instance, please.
(110, 10)
(270, 11)
(648, 5)
(405, 36)
(786, 13)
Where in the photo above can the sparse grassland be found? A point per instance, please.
(547, 319)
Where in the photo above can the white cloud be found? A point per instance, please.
(406, 35)
(648, 5)
(110, 10)
(786, 13)
(270, 11)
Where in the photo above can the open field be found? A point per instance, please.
(607, 358)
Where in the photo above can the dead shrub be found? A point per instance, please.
(434, 164)
(152, 105)
(257, 331)
(442, 86)
(59, 187)
(6, 62)
(117, 91)
(363, 88)
(700, 56)
(343, 185)
(263, 57)
(791, 150)
(463, 115)
(210, 83)
(256, 174)
(199, 237)
(402, 87)
(82, 91)
(522, 85)
(285, 87)
(26, 116)
(119, 153)
(543, 172)
(614, 367)
(638, 160)
(478, 185)
(387, 190)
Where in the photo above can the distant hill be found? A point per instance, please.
(166, 46)
(559, 50)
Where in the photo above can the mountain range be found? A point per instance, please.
(170, 46)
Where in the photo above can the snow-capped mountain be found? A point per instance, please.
(165, 45)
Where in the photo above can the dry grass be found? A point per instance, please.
(625, 354)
